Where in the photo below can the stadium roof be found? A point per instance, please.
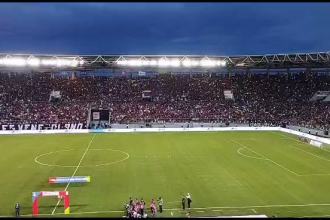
(89, 62)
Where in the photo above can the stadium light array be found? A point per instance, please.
(35, 62)
(172, 63)
(14, 62)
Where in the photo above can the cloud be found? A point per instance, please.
(155, 28)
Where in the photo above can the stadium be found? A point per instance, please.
(240, 135)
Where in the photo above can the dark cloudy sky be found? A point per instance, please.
(164, 28)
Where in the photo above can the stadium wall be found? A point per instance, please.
(148, 130)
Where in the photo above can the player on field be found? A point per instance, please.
(17, 209)
(183, 202)
(189, 200)
(160, 204)
(153, 208)
(142, 207)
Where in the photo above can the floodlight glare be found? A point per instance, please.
(223, 63)
(63, 62)
(135, 63)
(175, 63)
(1, 61)
(33, 62)
(194, 63)
(208, 63)
(163, 63)
(122, 62)
(81, 62)
(153, 63)
(145, 62)
(186, 63)
(14, 61)
(48, 62)
(74, 63)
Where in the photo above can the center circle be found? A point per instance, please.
(100, 157)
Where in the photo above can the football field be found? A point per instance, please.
(226, 173)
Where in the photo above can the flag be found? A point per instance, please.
(146, 94)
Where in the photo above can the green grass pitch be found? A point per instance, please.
(226, 173)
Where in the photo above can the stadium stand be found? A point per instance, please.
(273, 99)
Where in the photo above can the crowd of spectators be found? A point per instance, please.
(24, 98)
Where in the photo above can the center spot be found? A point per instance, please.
(72, 157)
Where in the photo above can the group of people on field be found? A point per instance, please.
(136, 208)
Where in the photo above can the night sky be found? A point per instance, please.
(164, 28)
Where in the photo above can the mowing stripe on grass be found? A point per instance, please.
(67, 186)
(265, 157)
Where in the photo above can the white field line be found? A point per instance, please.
(265, 157)
(67, 186)
(254, 211)
(258, 158)
(179, 209)
(309, 153)
(321, 174)
(287, 137)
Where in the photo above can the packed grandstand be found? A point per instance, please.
(258, 98)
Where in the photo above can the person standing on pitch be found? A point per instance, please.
(160, 204)
(189, 200)
(17, 209)
(183, 202)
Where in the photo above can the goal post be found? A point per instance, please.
(59, 194)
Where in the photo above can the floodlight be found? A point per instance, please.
(81, 62)
(145, 62)
(33, 62)
(163, 62)
(74, 63)
(153, 63)
(48, 62)
(208, 63)
(62, 62)
(194, 63)
(175, 63)
(186, 63)
(14, 61)
(134, 62)
(223, 63)
(122, 62)
(1, 61)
